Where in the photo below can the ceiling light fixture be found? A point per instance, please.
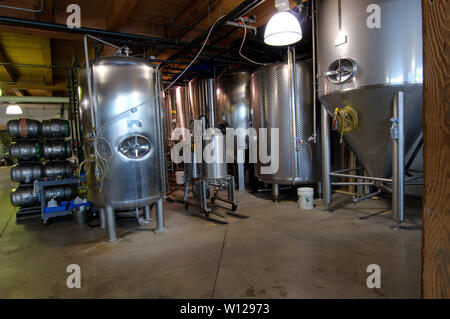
(14, 109)
(283, 27)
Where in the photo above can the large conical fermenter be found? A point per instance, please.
(127, 169)
(370, 65)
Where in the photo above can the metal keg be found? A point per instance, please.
(27, 172)
(56, 150)
(26, 151)
(24, 196)
(55, 170)
(24, 128)
(55, 128)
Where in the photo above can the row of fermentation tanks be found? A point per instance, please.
(364, 77)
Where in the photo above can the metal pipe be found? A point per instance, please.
(102, 217)
(24, 9)
(34, 99)
(360, 199)
(111, 223)
(326, 180)
(351, 184)
(237, 12)
(398, 156)
(314, 137)
(361, 177)
(160, 216)
(238, 25)
(293, 100)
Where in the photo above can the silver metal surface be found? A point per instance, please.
(217, 168)
(233, 99)
(201, 97)
(24, 128)
(160, 223)
(110, 223)
(54, 170)
(56, 150)
(326, 157)
(27, 172)
(388, 60)
(102, 218)
(129, 114)
(275, 105)
(177, 113)
(55, 128)
(25, 196)
(26, 150)
(398, 174)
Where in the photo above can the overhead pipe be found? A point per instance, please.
(237, 12)
(24, 9)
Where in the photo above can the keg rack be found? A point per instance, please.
(43, 173)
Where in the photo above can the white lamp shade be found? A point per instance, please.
(14, 109)
(283, 29)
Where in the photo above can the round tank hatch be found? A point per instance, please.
(135, 147)
(341, 70)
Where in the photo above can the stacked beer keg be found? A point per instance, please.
(41, 151)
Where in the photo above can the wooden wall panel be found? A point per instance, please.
(436, 107)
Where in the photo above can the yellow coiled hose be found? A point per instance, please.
(347, 120)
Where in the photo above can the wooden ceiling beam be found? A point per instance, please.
(118, 13)
(8, 75)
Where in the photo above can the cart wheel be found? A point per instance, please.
(234, 207)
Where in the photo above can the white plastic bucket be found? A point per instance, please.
(305, 198)
(179, 176)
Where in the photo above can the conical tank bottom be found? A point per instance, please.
(372, 142)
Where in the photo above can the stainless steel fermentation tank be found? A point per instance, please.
(177, 112)
(282, 98)
(130, 169)
(211, 174)
(370, 58)
(233, 109)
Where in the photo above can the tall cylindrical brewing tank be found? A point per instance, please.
(233, 99)
(368, 50)
(130, 133)
(177, 113)
(276, 106)
(201, 97)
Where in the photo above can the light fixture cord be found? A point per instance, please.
(242, 44)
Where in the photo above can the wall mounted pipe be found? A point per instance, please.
(24, 9)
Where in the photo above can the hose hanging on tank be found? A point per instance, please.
(345, 120)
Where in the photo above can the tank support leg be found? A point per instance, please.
(102, 217)
(111, 223)
(147, 213)
(275, 192)
(241, 177)
(160, 216)
(326, 181)
(398, 156)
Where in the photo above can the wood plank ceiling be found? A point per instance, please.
(175, 19)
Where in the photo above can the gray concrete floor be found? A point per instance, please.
(279, 252)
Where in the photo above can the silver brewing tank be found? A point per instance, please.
(129, 124)
(365, 67)
(233, 99)
(201, 97)
(276, 105)
(177, 113)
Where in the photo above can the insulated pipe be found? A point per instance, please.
(160, 216)
(111, 223)
(326, 180)
(398, 156)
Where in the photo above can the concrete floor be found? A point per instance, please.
(279, 252)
